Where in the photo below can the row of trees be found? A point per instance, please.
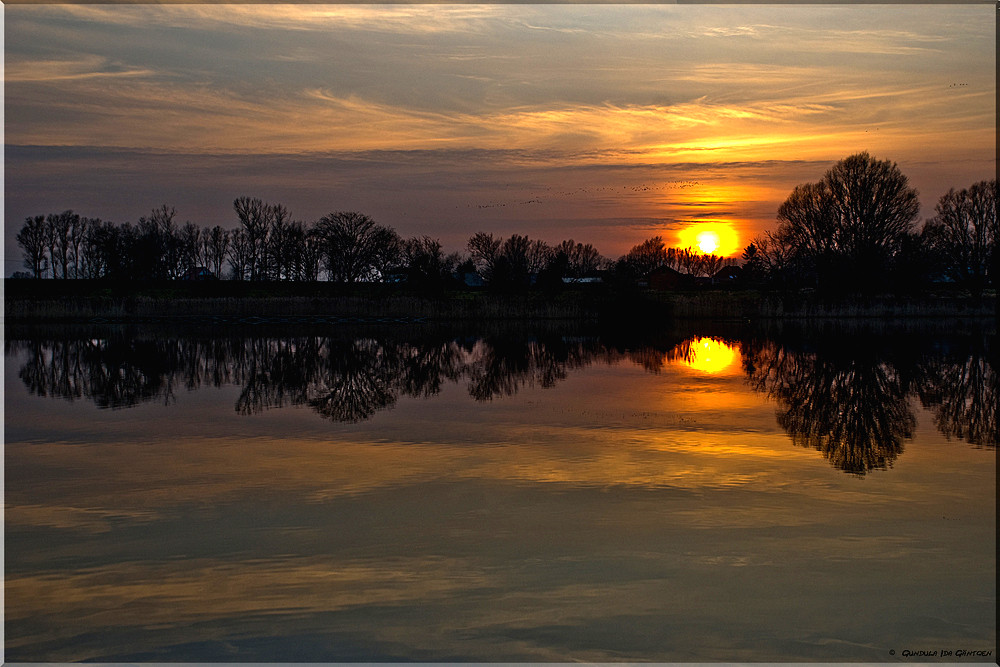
(67, 245)
(653, 253)
(855, 230)
(344, 247)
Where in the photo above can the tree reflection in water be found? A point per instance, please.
(848, 403)
(961, 389)
(852, 403)
(341, 378)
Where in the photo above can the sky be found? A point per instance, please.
(607, 124)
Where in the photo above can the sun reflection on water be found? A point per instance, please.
(709, 355)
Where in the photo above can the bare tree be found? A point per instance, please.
(257, 218)
(583, 258)
(280, 249)
(646, 256)
(240, 254)
(58, 241)
(102, 249)
(484, 249)
(874, 205)
(312, 253)
(538, 255)
(293, 250)
(427, 265)
(708, 265)
(32, 239)
(810, 220)
(189, 247)
(356, 248)
(77, 236)
(216, 248)
(965, 232)
(157, 249)
(518, 259)
(772, 257)
(846, 229)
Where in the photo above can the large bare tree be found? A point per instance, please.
(846, 229)
(356, 248)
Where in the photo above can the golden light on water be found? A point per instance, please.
(709, 355)
(719, 238)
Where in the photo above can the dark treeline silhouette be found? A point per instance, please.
(854, 231)
(851, 403)
(343, 247)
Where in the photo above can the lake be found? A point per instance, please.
(413, 493)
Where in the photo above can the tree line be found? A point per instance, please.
(853, 230)
(344, 247)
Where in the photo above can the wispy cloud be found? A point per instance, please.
(86, 67)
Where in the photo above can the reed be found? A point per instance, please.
(371, 303)
(481, 307)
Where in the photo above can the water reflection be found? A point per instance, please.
(708, 355)
(962, 389)
(341, 378)
(850, 402)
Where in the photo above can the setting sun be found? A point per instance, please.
(708, 242)
(719, 238)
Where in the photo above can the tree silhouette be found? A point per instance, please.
(427, 266)
(215, 243)
(843, 231)
(965, 232)
(256, 219)
(31, 238)
(355, 248)
(484, 249)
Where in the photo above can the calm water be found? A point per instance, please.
(395, 494)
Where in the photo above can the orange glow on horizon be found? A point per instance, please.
(719, 238)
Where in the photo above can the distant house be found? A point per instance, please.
(470, 278)
(728, 275)
(583, 280)
(198, 273)
(664, 278)
(396, 277)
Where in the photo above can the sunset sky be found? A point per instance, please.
(602, 123)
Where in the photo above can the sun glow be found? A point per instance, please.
(719, 238)
(708, 242)
(709, 355)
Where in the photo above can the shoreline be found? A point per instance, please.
(252, 303)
